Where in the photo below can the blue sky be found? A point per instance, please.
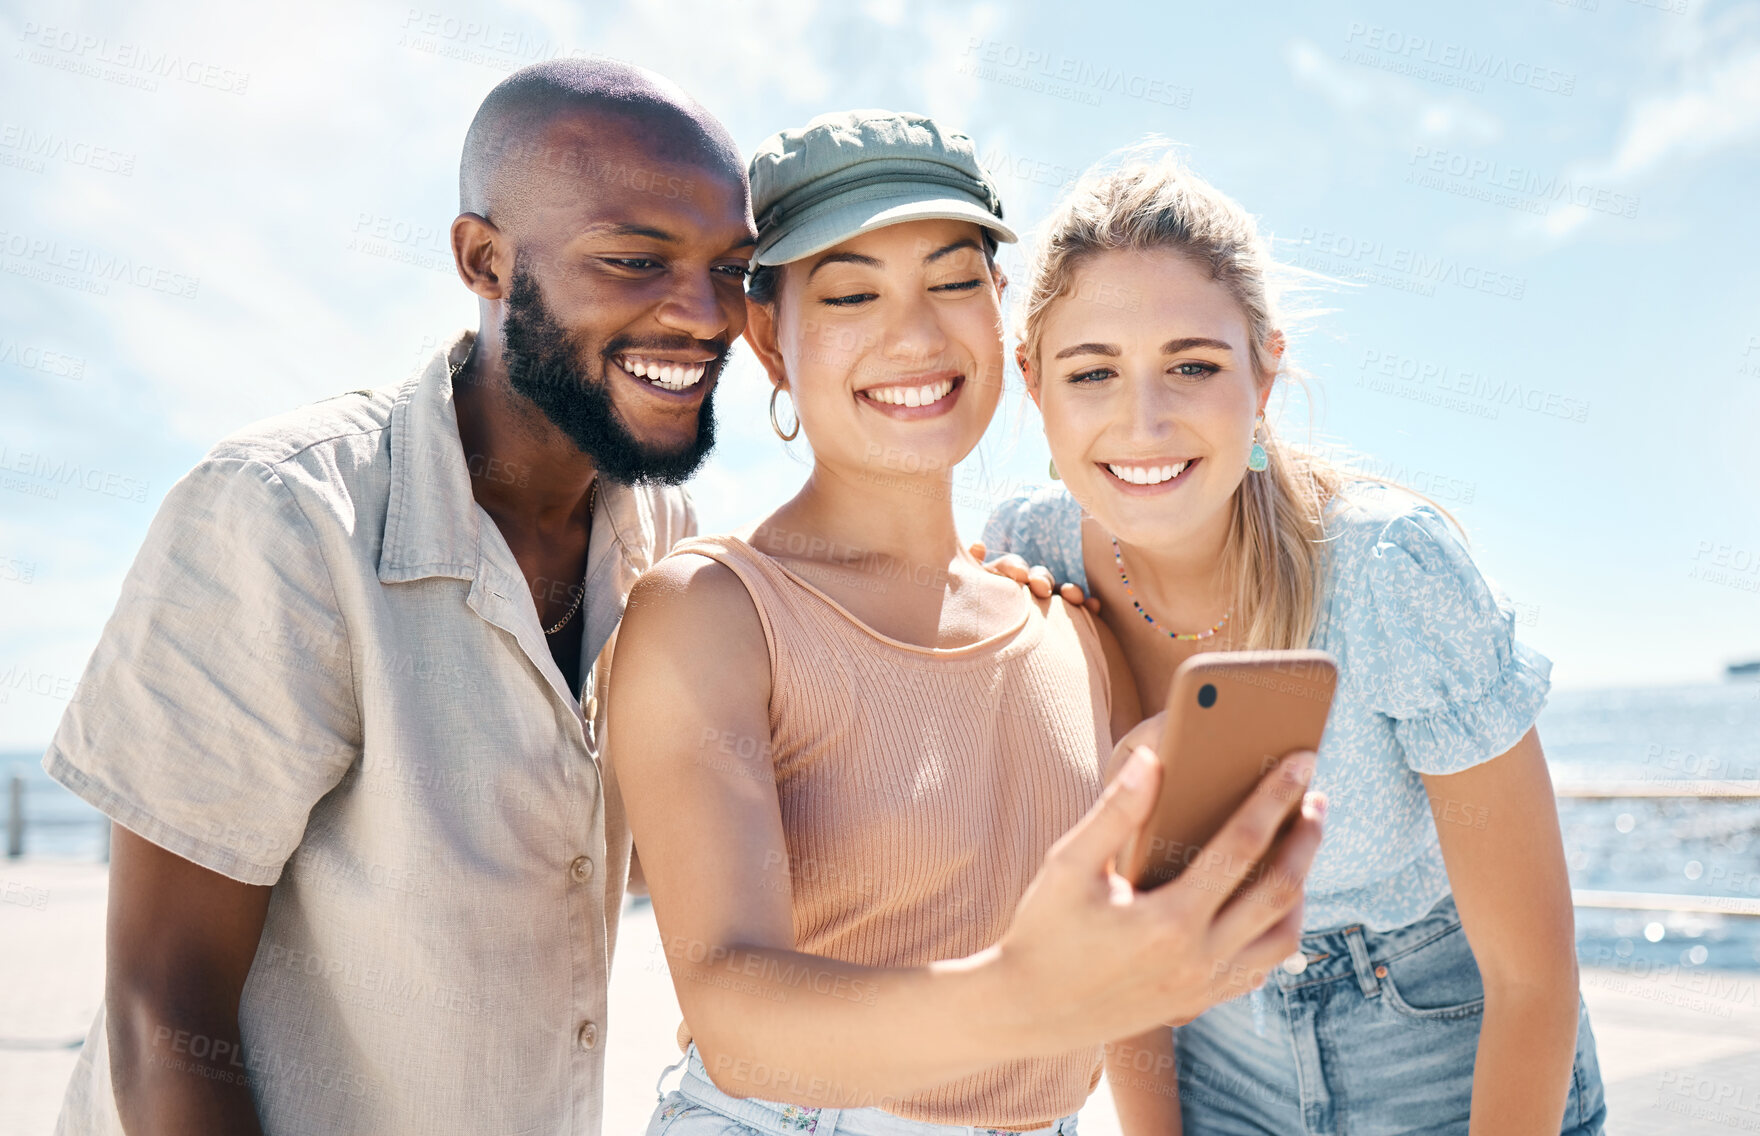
(1547, 308)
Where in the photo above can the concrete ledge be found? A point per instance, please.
(1680, 1047)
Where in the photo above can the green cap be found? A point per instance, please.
(859, 170)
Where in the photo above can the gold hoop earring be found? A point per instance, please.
(777, 426)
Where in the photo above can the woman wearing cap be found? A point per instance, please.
(850, 746)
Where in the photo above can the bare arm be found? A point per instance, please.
(180, 940)
(1498, 823)
(1144, 1081)
(1085, 959)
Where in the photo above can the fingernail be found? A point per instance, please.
(1314, 806)
(1303, 773)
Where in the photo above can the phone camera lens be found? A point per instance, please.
(1207, 695)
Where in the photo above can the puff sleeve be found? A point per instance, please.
(1041, 527)
(1438, 653)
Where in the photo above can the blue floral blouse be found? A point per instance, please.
(1431, 680)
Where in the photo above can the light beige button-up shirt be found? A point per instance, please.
(326, 673)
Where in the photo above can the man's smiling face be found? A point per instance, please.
(626, 292)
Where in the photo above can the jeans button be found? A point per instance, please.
(1295, 963)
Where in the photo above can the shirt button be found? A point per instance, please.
(1295, 963)
(581, 870)
(588, 1036)
(592, 707)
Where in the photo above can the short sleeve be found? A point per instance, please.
(1438, 653)
(218, 706)
(1042, 527)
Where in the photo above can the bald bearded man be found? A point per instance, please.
(346, 716)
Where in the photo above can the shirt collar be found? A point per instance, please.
(433, 526)
(431, 522)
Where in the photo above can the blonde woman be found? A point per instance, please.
(850, 754)
(1436, 988)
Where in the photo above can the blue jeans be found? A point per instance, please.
(1377, 1035)
(698, 1108)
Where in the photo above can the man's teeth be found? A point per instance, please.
(1147, 474)
(911, 396)
(672, 376)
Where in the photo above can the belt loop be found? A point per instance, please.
(825, 1123)
(1353, 938)
(660, 1081)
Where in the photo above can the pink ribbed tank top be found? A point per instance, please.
(920, 789)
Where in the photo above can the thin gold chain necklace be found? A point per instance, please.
(581, 594)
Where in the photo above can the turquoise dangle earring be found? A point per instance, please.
(1257, 459)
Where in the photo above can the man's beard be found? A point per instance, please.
(544, 365)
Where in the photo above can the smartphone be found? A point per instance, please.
(1231, 716)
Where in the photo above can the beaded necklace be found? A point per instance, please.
(1177, 636)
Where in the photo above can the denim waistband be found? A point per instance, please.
(775, 1119)
(1357, 951)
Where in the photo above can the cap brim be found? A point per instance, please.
(846, 219)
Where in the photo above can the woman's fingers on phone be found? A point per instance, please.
(1224, 862)
(1275, 891)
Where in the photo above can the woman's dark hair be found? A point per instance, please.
(762, 284)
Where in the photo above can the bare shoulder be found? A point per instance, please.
(691, 664)
(688, 585)
(695, 612)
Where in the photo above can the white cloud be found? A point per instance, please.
(1716, 105)
(1384, 103)
(1711, 103)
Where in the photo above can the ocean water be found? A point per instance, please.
(1674, 846)
(1677, 847)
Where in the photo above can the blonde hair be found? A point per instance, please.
(1273, 550)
